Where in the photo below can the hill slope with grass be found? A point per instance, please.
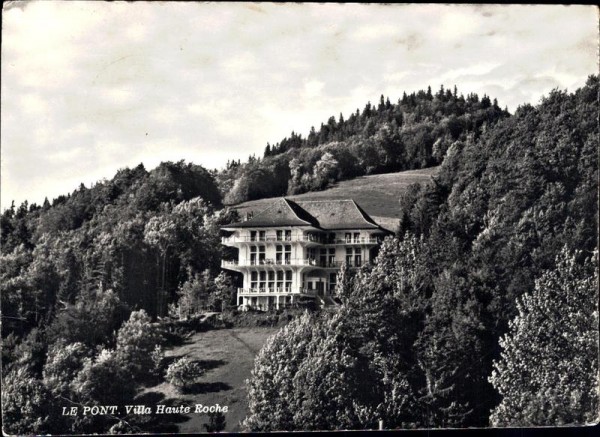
(378, 194)
(413, 133)
(226, 356)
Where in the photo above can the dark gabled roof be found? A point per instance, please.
(338, 214)
(280, 212)
(301, 213)
(323, 214)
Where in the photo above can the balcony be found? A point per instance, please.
(271, 239)
(302, 238)
(274, 291)
(269, 262)
(292, 263)
(339, 264)
(330, 264)
(360, 240)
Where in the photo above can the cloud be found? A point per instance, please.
(459, 24)
(374, 31)
(313, 88)
(91, 87)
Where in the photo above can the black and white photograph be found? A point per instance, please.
(261, 217)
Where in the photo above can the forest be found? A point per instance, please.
(481, 310)
(413, 133)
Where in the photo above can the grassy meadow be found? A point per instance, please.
(377, 194)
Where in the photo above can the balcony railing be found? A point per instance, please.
(268, 291)
(270, 262)
(361, 240)
(271, 239)
(338, 264)
(292, 262)
(301, 238)
(330, 264)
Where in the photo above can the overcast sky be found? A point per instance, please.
(91, 87)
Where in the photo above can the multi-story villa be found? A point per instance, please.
(293, 250)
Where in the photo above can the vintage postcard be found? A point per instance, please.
(260, 217)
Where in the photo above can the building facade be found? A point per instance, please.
(292, 251)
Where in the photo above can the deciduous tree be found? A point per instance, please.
(548, 370)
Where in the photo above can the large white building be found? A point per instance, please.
(293, 250)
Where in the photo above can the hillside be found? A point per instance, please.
(378, 194)
(413, 133)
(82, 279)
(227, 356)
(487, 300)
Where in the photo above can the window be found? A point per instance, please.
(278, 253)
(349, 256)
(271, 279)
(262, 235)
(254, 280)
(332, 238)
(280, 280)
(357, 257)
(348, 237)
(261, 255)
(332, 282)
(288, 254)
(320, 287)
(263, 277)
(288, 280)
(323, 258)
(252, 255)
(331, 257)
(279, 235)
(252, 235)
(288, 235)
(357, 237)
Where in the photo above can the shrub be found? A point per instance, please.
(91, 320)
(158, 360)
(136, 340)
(102, 381)
(25, 403)
(183, 373)
(63, 364)
(216, 422)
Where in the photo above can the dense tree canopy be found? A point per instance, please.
(417, 336)
(547, 373)
(428, 318)
(73, 271)
(413, 133)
